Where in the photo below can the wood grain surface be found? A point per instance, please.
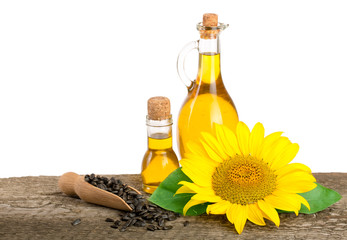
(34, 208)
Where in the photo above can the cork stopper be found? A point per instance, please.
(209, 20)
(158, 108)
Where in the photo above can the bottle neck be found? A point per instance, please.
(159, 134)
(209, 61)
(210, 46)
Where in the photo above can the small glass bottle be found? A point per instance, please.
(160, 159)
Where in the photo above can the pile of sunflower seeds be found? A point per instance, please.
(143, 213)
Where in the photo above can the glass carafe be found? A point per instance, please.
(208, 100)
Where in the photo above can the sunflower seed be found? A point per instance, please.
(76, 222)
(109, 220)
(167, 227)
(151, 227)
(161, 222)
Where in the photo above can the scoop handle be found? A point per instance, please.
(66, 183)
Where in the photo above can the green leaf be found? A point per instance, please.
(319, 199)
(164, 197)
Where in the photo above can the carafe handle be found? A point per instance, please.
(181, 63)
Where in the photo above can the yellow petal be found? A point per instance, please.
(206, 197)
(190, 204)
(230, 213)
(200, 160)
(269, 211)
(255, 214)
(287, 204)
(214, 144)
(292, 167)
(286, 156)
(223, 140)
(291, 196)
(184, 189)
(256, 138)
(211, 153)
(293, 177)
(240, 213)
(196, 149)
(298, 182)
(277, 147)
(198, 170)
(243, 133)
(198, 173)
(268, 141)
(218, 208)
(265, 216)
(303, 201)
(231, 140)
(192, 186)
(296, 186)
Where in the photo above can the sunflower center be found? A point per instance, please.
(243, 180)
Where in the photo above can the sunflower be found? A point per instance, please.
(245, 175)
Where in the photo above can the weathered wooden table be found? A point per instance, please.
(34, 208)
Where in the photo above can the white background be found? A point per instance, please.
(75, 77)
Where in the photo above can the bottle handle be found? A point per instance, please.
(181, 63)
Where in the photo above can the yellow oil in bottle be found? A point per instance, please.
(159, 161)
(207, 102)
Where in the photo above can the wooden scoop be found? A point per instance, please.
(73, 184)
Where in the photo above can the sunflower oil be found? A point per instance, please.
(160, 159)
(207, 102)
